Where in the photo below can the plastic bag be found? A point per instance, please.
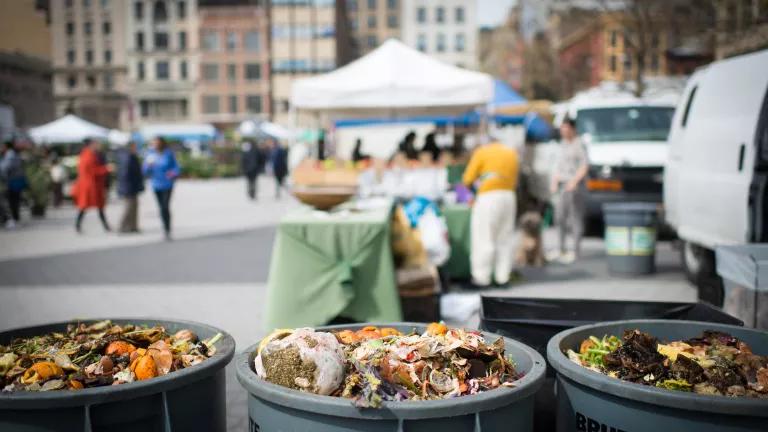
(434, 237)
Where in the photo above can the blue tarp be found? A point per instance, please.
(504, 95)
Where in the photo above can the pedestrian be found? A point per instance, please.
(12, 174)
(58, 173)
(130, 183)
(90, 187)
(431, 148)
(162, 169)
(279, 160)
(494, 167)
(407, 147)
(569, 190)
(357, 152)
(252, 164)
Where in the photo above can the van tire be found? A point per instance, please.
(700, 270)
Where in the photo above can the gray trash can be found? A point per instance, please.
(272, 408)
(193, 398)
(590, 401)
(744, 270)
(630, 237)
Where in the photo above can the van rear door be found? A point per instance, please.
(758, 192)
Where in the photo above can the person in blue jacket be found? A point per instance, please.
(162, 169)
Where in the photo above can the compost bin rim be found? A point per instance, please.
(638, 392)
(342, 407)
(225, 350)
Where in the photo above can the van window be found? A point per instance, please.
(629, 123)
(688, 106)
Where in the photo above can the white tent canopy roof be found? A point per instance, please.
(68, 129)
(393, 76)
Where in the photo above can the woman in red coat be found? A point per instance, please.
(90, 190)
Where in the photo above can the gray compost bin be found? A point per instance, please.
(190, 399)
(591, 401)
(630, 237)
(744, 270)
(272, 408)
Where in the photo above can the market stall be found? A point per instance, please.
(67, 130)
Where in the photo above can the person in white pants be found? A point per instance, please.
(495, 167)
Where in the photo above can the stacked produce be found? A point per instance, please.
(96, 355)
(373, 365)
(715, 363)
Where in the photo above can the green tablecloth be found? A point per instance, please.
(458, 218)
(455, 172)
(326, 265)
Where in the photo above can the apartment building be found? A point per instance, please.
(163, 60)
(307, 37)
(234, 63)
(445, 29)
(372, 22)
(89, 62)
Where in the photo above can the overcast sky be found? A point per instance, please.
(492, 12)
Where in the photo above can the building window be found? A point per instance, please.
(161, 70)
(89, 57)
(233, 104)
(459, 14)
(252, 71)
(106, 27)
(70, 28)
(211, 104)
(460, 42)
(373, 41)
(138, 10)
(182, 41)
(72, 82)
(211, 41)
(68, 3)
(104, 4)
(86, 3)
(351, 5)
(421, 15)
(392, 4)
(144, 108)
(440, 14)
(159, 12)
(140, 72)
(183, 69)
(421, 42)
(627, 63)
(108, 56)
(161, 41)
(392, 21)
(371, 21)
(371, 4)
(440, 45)
(231, 72)
(109, 81)
(614, 38)
(71, 57)
(231, 41)
(181, 9)
(140, 41)
(210, 71)
(253, 103)
(612, 65)
(87, 28)
(654, 62)
(91, 81)
(252, 41)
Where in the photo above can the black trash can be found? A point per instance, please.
(193, 398)
(534, 321)
(630, 237)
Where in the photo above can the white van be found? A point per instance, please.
(716, 178)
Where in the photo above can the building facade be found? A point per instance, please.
(501, 50)
(373, 21)
(742, 27)
(445, 29)
(163, 60)
(235, 71)
(89, 62)
(308, 37)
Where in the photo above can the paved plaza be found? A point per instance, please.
(215, 270)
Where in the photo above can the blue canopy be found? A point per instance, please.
(504, 95)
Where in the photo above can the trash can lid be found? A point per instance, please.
(745, 265)
(630, 207)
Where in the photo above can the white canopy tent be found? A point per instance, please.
(68, 129)
(255, 128)
(394, 78)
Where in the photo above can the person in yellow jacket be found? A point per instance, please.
(494, 167)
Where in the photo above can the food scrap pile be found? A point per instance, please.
(715, 363)
(374, 365)
(96, 355)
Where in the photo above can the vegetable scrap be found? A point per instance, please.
(99, 354)
(375, 365)
(715, 363)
